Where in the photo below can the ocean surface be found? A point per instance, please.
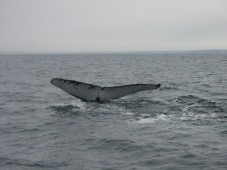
(182, 125)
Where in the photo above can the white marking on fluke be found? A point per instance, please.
(93, 93)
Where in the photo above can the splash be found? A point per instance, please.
(149, 120)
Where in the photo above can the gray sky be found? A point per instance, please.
(37, 26)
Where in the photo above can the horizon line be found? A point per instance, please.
(111, 52)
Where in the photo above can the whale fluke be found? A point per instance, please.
(89, 92)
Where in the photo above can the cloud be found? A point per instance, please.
(106, 25)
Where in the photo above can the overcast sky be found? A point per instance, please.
(40, 26)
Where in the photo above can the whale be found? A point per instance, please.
(93, 93)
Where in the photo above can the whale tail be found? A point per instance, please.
(158, 85)
(89, 92)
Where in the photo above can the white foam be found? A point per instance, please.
(79, 105)
(213, 115)
(185, 109)
(160, 117)
(146, 120)
(195, 116)
(127, 113)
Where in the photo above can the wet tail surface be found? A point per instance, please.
(89, 92)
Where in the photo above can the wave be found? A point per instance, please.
(149, 120)
(143, 110)
(190, 108)
(114, 144)
(197, 109)
(79, 108)
(7, 162)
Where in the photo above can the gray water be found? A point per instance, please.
(182, 125)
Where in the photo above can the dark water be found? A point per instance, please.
(183, 125)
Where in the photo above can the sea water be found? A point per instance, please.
(182, 125)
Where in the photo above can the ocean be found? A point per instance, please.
(182, 125)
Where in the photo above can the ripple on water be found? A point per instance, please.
(90, 108)
(114, 144)
(25, 163)
(147, 119)
(194, 108)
